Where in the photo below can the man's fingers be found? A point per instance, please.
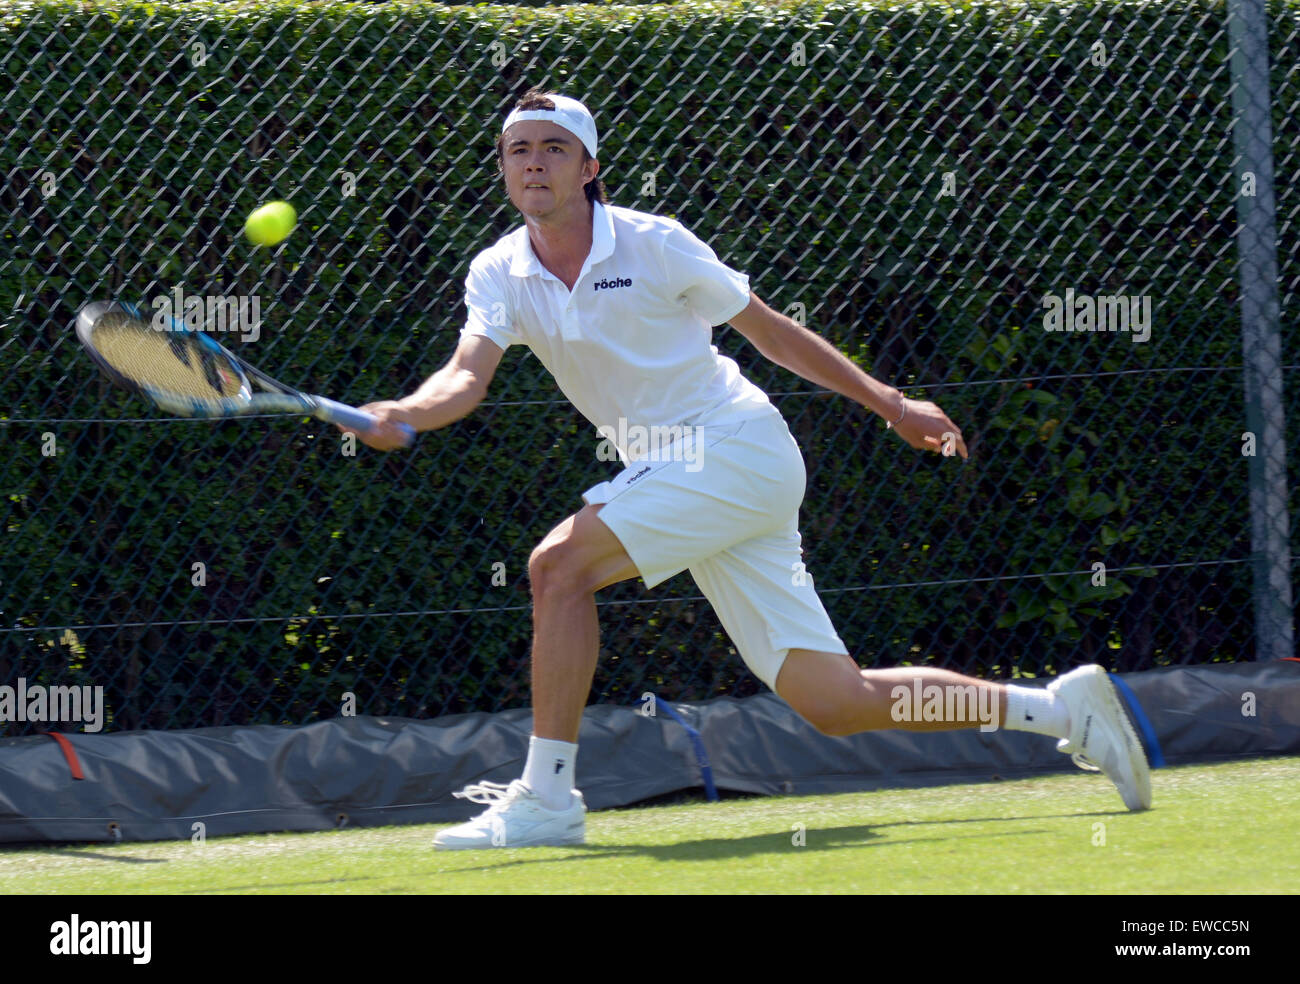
(385, 438)
(949, 444)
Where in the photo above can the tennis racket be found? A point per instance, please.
(189, 374)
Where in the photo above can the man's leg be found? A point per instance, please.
(838, 697)
(1080, 708)
(573, 562)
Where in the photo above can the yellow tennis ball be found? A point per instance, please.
(271, 223)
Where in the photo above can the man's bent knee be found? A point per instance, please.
(556, 564)
(580, 555)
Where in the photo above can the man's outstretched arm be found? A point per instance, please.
(445, 397)
(787, 343)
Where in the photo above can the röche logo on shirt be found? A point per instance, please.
(611, 284)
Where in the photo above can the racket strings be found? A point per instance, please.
(177, 363)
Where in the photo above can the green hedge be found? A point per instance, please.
(820, 179)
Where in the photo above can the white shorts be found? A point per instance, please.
(729, 512)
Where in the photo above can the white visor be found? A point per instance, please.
(568, 113)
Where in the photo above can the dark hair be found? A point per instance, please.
(538, 99)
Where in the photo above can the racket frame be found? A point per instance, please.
(282, 400)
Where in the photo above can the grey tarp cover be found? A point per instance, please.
(366, 771)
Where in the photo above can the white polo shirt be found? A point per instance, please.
(633, 339)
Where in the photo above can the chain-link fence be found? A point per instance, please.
(965, 198)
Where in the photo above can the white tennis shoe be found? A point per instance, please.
(1101, 737)
(515, 817)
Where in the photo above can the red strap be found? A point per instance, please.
(69, 753)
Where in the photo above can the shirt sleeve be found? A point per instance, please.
(697, 277)
(489, 308)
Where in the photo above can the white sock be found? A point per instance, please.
(1037, 710)
(549, 771)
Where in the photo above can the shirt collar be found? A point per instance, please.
(525, 263)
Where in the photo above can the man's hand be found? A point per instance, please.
(386, 436)
(927, 427)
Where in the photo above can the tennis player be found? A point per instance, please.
(620, 306)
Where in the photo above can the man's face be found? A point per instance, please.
(544, 170)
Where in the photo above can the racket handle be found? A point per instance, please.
(341, 413)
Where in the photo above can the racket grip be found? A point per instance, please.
(341, 413)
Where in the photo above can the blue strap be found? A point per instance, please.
(701, 756)
(1142, 721)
